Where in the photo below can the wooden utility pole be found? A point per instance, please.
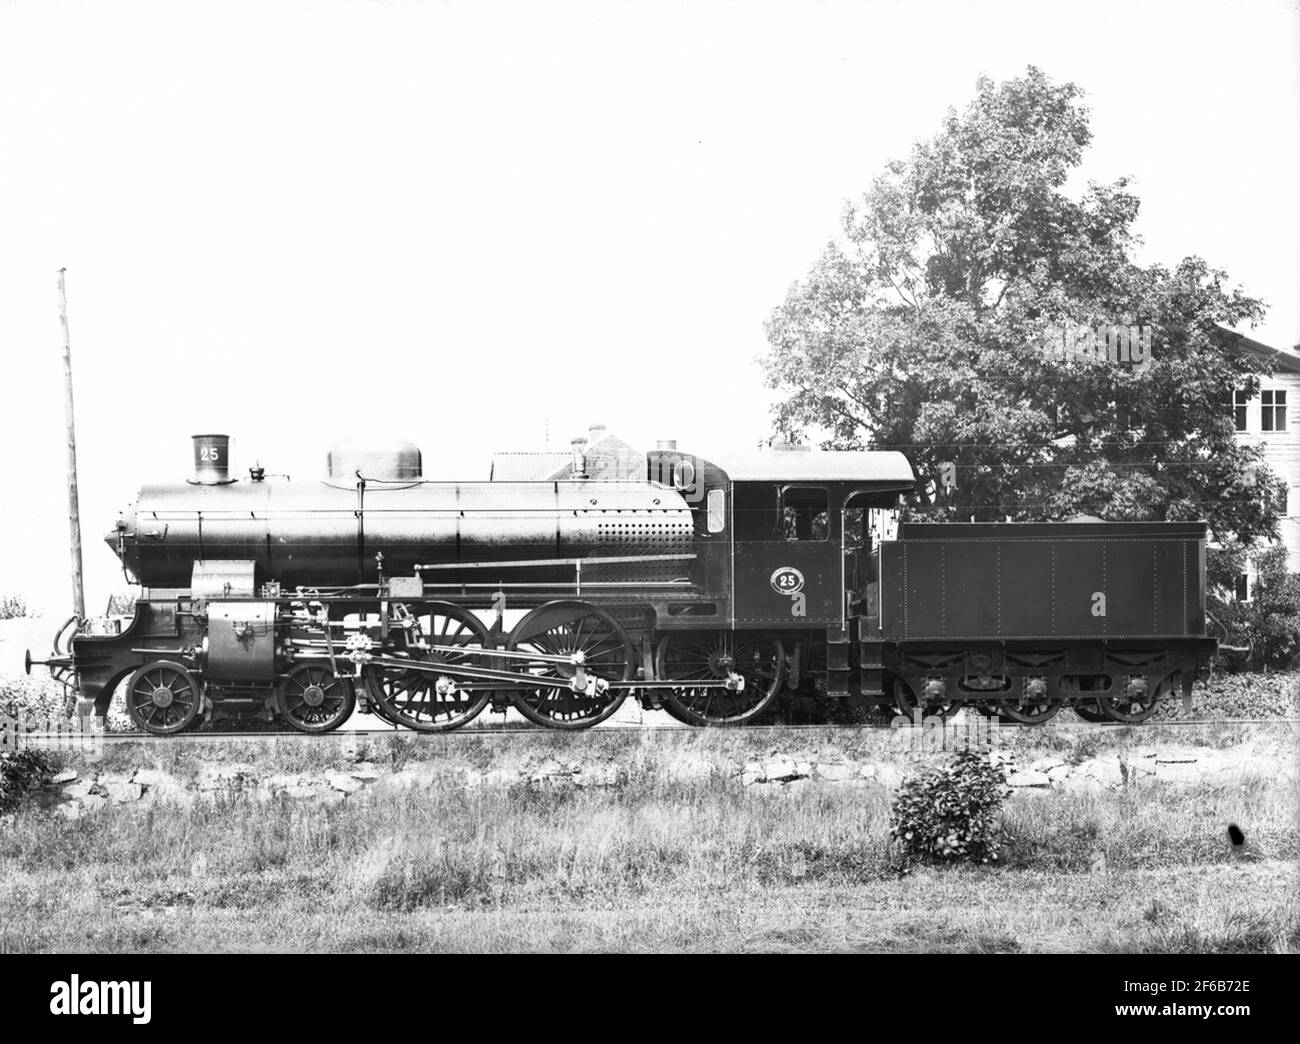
(74, 510)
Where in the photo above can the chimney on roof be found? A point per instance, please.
(579, 470)
(666, 444)
(597, 432)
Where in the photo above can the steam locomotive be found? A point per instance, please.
(704, 585)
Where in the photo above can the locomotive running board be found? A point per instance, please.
(535, 563)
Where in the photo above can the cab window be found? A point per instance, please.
(716, 510)
(805, 513)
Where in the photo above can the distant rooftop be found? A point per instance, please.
(525, 467)
(608, 458)
(1285, 362)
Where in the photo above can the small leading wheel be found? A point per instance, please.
(565, 629)
(689, 657)
(162, 697)
(313, 698)
(1133, 707)
(425, 700)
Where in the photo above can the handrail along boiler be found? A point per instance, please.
(705, 585)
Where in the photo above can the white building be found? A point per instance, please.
(1271, 420)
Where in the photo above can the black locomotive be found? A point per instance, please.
(707, 586)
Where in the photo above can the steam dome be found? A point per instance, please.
(375, 457)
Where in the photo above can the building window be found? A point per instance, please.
(1246, 581)
(1273, 411)
(1239, 402)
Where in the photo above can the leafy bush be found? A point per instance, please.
(1227, 694)
(22, 771)
(1270, 621)
(13, 607)
(38, 699)
(950, 814)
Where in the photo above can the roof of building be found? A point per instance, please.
(1284, 362)
(608, 459)
(526, 467)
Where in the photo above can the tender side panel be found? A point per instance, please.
(1078, 586)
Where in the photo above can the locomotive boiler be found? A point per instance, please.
(707, 585)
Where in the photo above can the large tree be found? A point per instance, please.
(924, 327)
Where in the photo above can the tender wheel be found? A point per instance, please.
(162, 697)
(695, 657)
(312, 698)
(907, 702)
(994, 711)
(1024, 711)
(563, 629)
(432, 702)
(1083, 693)
(1026, 708)
(1132, 708)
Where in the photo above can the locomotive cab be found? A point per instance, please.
(800, 551)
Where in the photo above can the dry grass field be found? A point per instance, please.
(476, 843)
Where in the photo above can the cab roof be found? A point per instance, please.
(875, 467)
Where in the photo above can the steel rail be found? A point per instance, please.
(606, 728)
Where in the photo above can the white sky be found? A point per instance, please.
(464, 221)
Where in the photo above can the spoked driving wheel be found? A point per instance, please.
(162, 697)
(429, 700)
(754, 665)
(313, 698)
(376, 708)
(588, 640)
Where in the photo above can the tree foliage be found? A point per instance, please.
(923, 327)
(1269, 622)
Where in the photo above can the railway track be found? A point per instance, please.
(511, 730)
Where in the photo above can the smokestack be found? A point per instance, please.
(211, 460)
(579, 458)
